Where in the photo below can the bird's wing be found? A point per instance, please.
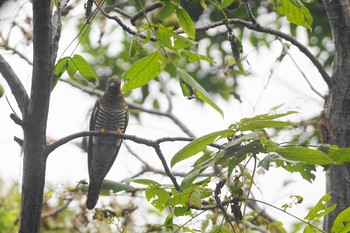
(91, 128)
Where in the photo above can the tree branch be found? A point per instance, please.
(144, 11)
(147, 142)
(58, 210)
(15, 84)
(124, 27)
(259, 28)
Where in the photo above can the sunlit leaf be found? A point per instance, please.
(147, 182)
(226, 3)
(135, 47)
(321, 208)
(192, 57)
(71, 69)
(170, 39)
(84, 68)
(307, 171)
(143, 70)
(167, 9)
(182, 211)
(186, 22)
(199, 145)
(304, 154)
(200, 92)
(340, 156)
(195, 199)
(342, 222)
(295, 12)
(59, 69)
(263, 121)
(157, 197)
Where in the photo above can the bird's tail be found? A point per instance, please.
(93, 194)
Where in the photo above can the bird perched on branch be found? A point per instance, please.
(110, 113)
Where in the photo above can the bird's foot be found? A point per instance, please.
(102, 130)
(119, 131)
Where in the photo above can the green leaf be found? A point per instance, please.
(342, 222)
(321, 209)
(60, 68)
(195, 199)
(167, 9)
(135, 47)
(200, 92)
(226, 3)
(109, 185)
(71, 69)
(158, 197)
(304, 154)
(340, 156)
(192, 57)
(186, 22)
(84, 68)
(262, 121)
(305, 170)
(255, 125)
(170, 39)
(295, 12)
(147, 182)
(143, 70)
(265, 162)
(198, 145)
(182, 211)
(187, 182)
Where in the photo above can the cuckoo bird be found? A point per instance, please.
(110, 113)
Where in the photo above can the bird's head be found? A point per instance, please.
(113, 87)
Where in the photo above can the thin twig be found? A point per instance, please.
(15, 51)
(166, 167)
(250, 13)
(300, 70)
(144, 11)
(292, 215)
(219, 204)
(57, 211)
(124, 27)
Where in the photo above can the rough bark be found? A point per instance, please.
(35, 120)
(336, 120)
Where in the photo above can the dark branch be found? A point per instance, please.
(124, 27)
(15, 84)
(166, 167)
(250, 13)
(57, 211)
(144, 11)
(147, 142)
(18, 140)
(16, 119)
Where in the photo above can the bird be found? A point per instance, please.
(110, 113)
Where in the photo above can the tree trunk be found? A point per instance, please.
(336, 120)
(35, 120)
